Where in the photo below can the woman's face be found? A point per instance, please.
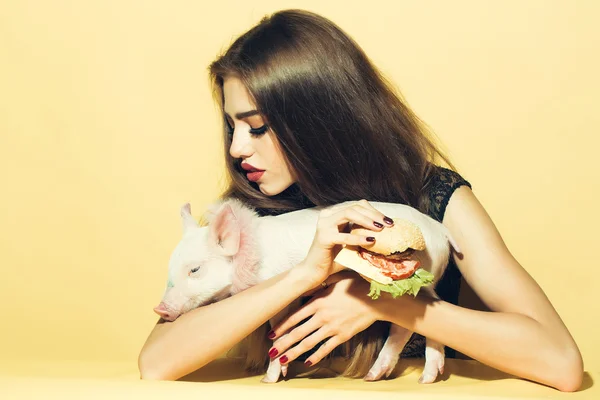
(253, 142)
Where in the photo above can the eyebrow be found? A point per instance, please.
(244, 114)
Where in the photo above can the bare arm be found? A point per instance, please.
(524, 335)
(174, 349)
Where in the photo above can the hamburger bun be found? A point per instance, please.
(402, 236)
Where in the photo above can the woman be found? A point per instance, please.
(309, 121)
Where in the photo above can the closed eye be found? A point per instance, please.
(254, 131)
(194, 270)
(259, 131)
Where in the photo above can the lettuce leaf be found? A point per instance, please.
(410, 285)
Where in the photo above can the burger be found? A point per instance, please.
(391, 263)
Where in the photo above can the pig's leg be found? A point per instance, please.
(434, 361)
(275, 368)
(434, 353)
(389, 354)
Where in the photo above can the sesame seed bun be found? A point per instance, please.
(396, 239)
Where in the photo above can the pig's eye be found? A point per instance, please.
(194, 270)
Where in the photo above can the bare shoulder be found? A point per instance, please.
(471, 225)
(486, 262)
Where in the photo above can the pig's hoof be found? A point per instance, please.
(431, 370)
(427, 378)
(375, 375)
(273, 372)
(272, 375)
(370, 377)
(268, 379)
(379, 370)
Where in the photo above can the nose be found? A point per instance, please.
(241, 146)
(164, 313)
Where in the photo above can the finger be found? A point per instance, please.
(357, 215)
(375, 214)
(283, 344)
(330, 233)
(293, 319)
(352, 239)
(324, 350)
(306, 344)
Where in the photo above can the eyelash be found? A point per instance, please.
(256, 132)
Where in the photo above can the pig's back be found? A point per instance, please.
(285, 240)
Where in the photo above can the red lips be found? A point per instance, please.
(248, 167)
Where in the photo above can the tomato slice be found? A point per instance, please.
(395, 269)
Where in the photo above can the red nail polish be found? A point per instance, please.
(307, 363)
(271, 335)
(283, 359)
(273, 352)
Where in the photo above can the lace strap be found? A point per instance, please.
(443, 183)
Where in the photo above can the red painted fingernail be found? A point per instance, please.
(370, 239)
(271, 335)
(388, 220)
(308, 363)
(283, 359)
(377, 224)
(273, 352)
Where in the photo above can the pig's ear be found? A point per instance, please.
(225, 231)
(212, 210)
(187, 221)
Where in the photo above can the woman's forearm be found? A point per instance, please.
(177, 348)
(513, 343)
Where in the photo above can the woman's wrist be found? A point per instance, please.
(303, 277)
(413, 309)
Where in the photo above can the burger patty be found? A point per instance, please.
(396, 266)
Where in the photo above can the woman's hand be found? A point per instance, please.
(333, 226)
(337, 313)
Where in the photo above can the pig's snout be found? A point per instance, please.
(165, 313)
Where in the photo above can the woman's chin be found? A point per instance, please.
(267, 190)
(271, 189)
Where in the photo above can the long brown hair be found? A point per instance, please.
(345, 131)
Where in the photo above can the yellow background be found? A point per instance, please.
(107, 126)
